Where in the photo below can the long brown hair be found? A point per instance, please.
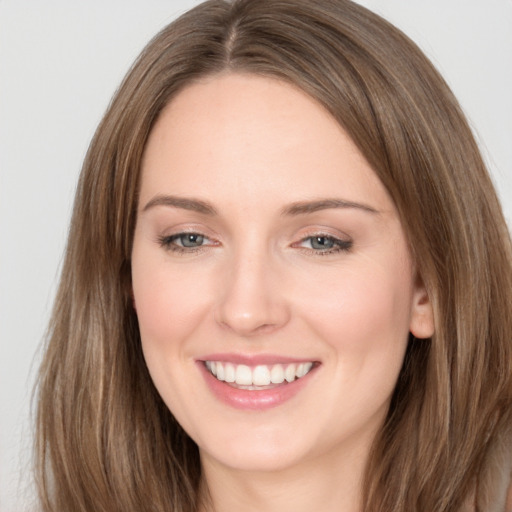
(105, 440)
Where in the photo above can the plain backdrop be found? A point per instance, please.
(61, 61)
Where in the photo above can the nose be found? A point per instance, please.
(252, 299)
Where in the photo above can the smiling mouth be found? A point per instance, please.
(258, 377)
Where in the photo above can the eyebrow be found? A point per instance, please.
(185, 203)
(305, 207)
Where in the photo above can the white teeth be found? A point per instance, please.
(243, 375)
(220, 371)
(277, 374)
(212, 366)
(229, 372)
(289, 373)
(302, 369)
(261, 375)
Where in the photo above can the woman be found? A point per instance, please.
(287, 284)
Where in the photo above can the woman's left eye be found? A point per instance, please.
(325, 244)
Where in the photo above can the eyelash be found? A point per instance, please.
(168, 242)
(338, 245)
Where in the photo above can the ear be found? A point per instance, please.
(422, 314)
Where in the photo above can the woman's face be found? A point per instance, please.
(268, 252)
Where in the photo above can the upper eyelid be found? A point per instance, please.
(192, 230)
(327, 233)
(339, 240)
(175, 236)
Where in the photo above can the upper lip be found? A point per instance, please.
(255, 359)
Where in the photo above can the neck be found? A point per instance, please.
(329, 484)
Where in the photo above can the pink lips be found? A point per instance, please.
(257, 400)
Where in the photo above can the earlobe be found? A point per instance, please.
(422, 314)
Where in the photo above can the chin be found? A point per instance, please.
(263, 451)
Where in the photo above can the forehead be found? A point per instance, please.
(240, 135)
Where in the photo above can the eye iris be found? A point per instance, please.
(191, 240)
(322, 242)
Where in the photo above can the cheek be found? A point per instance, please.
(167, 303)
(364, 311)
(363, 317)
(170, 307)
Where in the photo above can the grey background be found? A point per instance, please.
(61, 61)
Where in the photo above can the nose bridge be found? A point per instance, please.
(251, 301)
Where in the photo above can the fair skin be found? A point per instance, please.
(264, 239)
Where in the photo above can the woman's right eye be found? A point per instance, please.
(185, 242)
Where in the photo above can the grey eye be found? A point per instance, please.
(321, 243)
(325, 244)
(189, 239)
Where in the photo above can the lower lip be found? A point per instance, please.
(253, 399)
